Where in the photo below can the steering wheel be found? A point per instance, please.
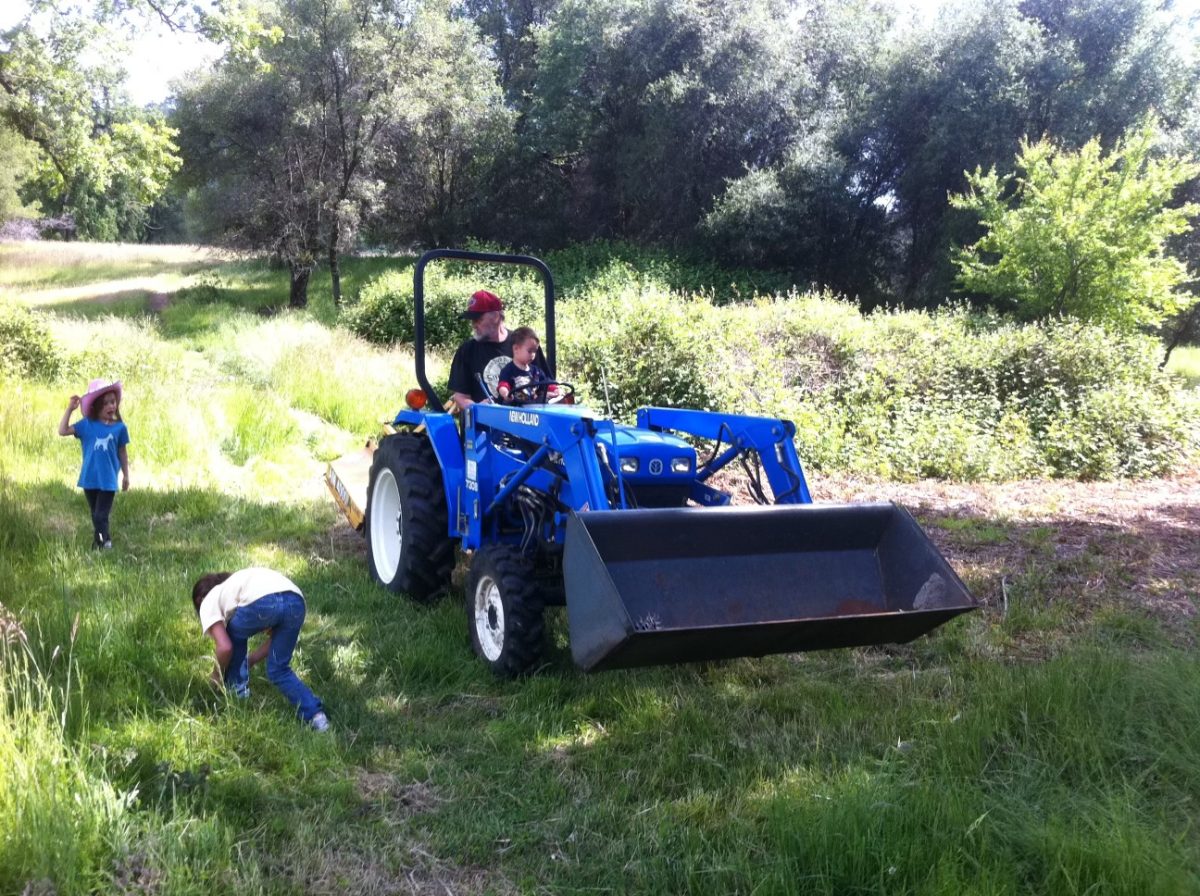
(540, 393)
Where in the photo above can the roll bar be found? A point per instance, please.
(435, 403)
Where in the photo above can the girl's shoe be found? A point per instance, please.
(319, 722)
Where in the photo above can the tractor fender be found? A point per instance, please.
(442, 430)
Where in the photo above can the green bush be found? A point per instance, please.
(637, 350)
(613, 266)
(383, 311)
(952, 394)
(27, 348)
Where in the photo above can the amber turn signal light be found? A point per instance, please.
(415, 399)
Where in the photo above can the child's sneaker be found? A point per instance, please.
(319, 722)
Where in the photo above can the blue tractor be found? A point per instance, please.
(557, 504)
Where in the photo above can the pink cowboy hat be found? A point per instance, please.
(95, 389)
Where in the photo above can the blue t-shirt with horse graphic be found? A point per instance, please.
(101, 462)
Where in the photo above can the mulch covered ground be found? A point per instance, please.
(1129, 544)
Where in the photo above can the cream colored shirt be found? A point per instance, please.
(243, 587)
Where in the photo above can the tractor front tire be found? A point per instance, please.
(406, 523)
(504, 612)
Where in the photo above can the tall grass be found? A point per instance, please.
(60, 817)
(47, 265)
(1185, 363)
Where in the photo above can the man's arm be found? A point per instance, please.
(463, 400)
(223, 648)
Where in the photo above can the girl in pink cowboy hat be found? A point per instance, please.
(103, 437)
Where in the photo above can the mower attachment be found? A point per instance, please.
(691, 584)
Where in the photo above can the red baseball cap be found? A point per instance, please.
(481, 303)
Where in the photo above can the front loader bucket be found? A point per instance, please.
(646, 587)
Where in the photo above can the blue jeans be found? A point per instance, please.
(283, 614)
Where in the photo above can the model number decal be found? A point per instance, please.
(472, 485)
(523, 417)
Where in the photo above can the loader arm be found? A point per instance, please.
(771, 439)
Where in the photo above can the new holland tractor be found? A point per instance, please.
(557, 504)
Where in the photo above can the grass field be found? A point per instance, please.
(1185, 362)
(1029, 747)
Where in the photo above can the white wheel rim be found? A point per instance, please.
(387, 529)
(489, 618)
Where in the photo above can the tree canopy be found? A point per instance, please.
(814, 137)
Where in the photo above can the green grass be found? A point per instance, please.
(1185, 363)
(43, 266)
(1022, 749)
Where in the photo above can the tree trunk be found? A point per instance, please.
(335, 273)
(1185, 325)
(298, 297)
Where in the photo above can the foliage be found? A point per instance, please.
(383, 311)
(644, 107)
(612, 266)
(959, 397)
(101, 161)
(27, 347)
(292, 156)
(18, 158)
(798, 215)
(954, 395)
(1080, 233)
(819, 139)
(449, 124)
(858, 201)
(642, 347)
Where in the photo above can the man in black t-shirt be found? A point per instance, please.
(486, 353)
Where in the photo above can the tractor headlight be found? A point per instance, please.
(629, 465)
(681, 465)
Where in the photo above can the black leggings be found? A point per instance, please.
(100, 502)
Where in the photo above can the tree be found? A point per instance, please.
(510, 27)
(349, 50)
(643, 108)
(811, 212)
(291, 152)
(253, 164)
(280, 146)
(101, 160)
(449, 126)
(897, 127)
(1081, 233)
(18, 158)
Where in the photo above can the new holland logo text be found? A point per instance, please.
(523, 417)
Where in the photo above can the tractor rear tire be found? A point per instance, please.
(504, 611)
(406, 521)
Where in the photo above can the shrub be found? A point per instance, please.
(616, 266)
(1119, 430)
(383, 311)
(638, 350)
(953, 394)
(27, 348)
(956, 395)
